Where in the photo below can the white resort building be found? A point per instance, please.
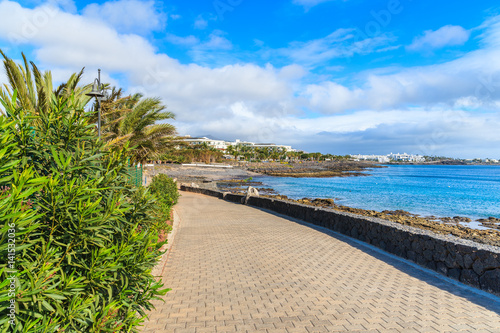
(217, 144)
(390, 157)
(223, 145)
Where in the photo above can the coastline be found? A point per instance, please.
(239, 178)
(440, 225)
(243, 170)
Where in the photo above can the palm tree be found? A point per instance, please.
(133, 119)
(125, 119)
(35, 91)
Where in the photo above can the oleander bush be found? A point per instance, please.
(86, 241)
(165, 190)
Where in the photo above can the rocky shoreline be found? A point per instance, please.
(456, 226)
(239, 177)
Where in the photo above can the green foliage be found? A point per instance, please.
(165, 190)
(86, 241)
(132, 120)
(190, 154)
(34, 89)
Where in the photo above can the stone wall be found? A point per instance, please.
(472, 263)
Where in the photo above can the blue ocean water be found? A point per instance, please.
(444, 190)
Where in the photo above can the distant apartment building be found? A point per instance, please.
(406, 157)
(377, 158)
(263, 145)
(217, 144)
(390, 157)
(223, 145)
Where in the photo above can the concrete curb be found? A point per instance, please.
(158, 269)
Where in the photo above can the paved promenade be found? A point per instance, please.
(234, 268)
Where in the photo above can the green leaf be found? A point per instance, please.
(48, 306)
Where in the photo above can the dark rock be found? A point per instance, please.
(429, 244)
(454, 273)
(469, 277)
(490, 281)
(440, 251)
(421, 260)
(441, 268)
(459, 259)
(354, 233)
(416, 246)
(464, 248)
(428, 254)
(478, 267)
(431, 265)
(411, 255)
(490, 261)
(450, 261)
(468, 261)
(399, 251)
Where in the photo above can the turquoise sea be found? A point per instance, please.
(444, 190)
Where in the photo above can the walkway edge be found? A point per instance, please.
(158, 269)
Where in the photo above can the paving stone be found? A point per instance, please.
(234, 268)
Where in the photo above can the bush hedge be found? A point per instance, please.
(85, 240)
(165, 190)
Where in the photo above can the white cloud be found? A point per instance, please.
(469, 82)
(449, 35)
(213, 51)
(341, 43)
(186, 41)
(265, 103)
(217, 41)
(200, 23)
(66, 5)
(307, 4)
(128, 15)
(473, 77)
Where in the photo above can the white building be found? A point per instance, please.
(222, 145)
(406, 157)
(391, 157)
(217, 144)
(378, 158)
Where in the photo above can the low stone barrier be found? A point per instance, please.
(204, 191)
(469, 262)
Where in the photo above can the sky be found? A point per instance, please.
(334, 76)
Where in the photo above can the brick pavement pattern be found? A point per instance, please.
(235, 268)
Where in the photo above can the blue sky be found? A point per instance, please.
(336, 76)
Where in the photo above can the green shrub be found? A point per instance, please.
(86, 241)
(165, 190)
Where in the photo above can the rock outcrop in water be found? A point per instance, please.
(313, 169)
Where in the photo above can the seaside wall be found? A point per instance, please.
(472, 263)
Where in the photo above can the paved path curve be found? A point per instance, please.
(235, 268)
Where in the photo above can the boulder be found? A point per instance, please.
(490, 281)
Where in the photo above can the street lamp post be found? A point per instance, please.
(98, 93)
